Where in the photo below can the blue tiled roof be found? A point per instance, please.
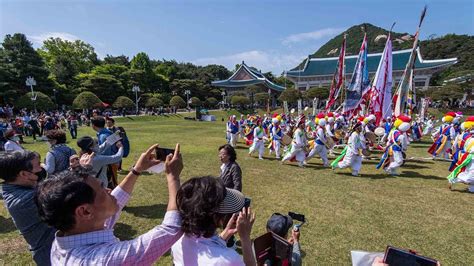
(258, 78)
(327, 66)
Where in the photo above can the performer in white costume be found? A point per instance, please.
(320, 143)
(352, 156)
(299, 143)
(258, 140)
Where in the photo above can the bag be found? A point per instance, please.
(125, 142)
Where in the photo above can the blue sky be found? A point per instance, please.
(270, 35)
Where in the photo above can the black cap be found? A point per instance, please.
(279, 224)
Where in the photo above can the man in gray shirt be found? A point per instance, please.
(19, 171)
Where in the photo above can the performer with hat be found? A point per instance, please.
(299, 143)
(350, 156)
(276, 135)
(397, 143)
(233, 129)
(464, 170)
(258, 140)
(446, 134)
(320, 145)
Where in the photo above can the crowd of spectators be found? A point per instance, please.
(66, 208)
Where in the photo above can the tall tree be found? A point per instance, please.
(106, 87)
(141, 61)
(18, 60)
(66, 58)
(118, 60)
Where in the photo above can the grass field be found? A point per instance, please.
(415, 210)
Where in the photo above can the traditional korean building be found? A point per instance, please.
(247, 76)
(318, 72)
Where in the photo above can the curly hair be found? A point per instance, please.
(58, 135)
(58, 197)
(198, 200)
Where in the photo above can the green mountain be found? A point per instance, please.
(448, 46)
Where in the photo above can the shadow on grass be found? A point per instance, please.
(154, 211)
(410, 174)
(124, 231)
(371, 176)
(410, 166)
(6, 225)
(461, 191)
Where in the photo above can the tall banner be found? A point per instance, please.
(359, 85)
(381, 92)
(424, 107)
(300, 107)
(285, 108)
(315, 106)
(338, 77)
(405, 88)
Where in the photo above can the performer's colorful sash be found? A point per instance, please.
(440, 142)
(458, 154)
(340, 157)
(395, 145)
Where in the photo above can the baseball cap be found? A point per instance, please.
(279, 224)
(233, 202)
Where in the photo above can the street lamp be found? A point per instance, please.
(30, 81)
(187, 92)
(136, 89)
(223, 99)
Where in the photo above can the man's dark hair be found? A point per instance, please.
(230, 151)
(198, 201)
(58, 135)
(12, 163)
(58, 197)
(110, 119)
(98, 121)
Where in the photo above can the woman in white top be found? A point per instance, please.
(13, 141)
(205, 205)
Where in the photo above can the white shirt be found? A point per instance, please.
(190, 250)
(12, 146)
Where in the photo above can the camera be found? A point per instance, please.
(297, 217)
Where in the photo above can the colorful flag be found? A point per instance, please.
(338, 78)
(406, 91)
(360, 83)
(381, 92)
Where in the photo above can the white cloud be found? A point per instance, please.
(313, 35)
(39, 39)
(262, 60)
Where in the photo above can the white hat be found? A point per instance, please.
(322, 122)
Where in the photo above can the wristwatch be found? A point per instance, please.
(135, 172)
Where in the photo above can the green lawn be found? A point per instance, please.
(344, 213)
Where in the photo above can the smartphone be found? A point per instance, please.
(399, 257)
(161, 153)
(247, 202)
(297, 216)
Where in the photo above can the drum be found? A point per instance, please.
(286, 140)
(339, 134)
(370, 136)
(380, 131)
(330, 142)
(366, 153)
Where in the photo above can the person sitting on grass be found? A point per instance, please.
(205, 205)
(20, 171)
(85, 214)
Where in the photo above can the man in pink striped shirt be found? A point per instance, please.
(85, 213)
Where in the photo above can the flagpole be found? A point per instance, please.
(401, 104)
